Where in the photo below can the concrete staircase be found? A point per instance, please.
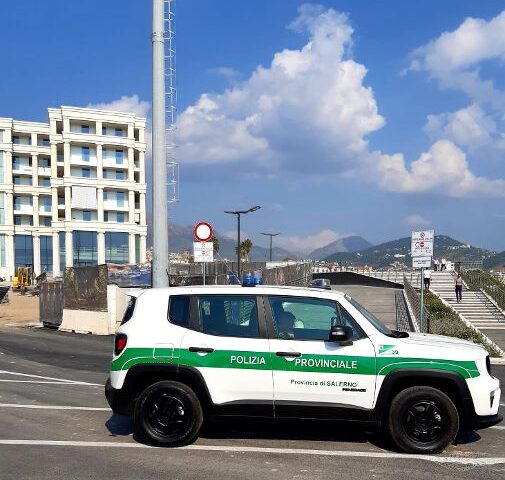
(474, 307)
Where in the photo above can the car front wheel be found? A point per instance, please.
(423, 420)
(168, 414)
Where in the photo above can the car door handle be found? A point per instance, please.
(201, 349)
(288, 354)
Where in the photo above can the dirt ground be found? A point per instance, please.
(21, 309)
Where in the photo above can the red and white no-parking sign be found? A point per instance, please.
(203, 231)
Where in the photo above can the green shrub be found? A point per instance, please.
(444, 321)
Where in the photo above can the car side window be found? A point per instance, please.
(178, 310)
(228, 315)
(300, 318)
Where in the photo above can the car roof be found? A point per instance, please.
(239, 290)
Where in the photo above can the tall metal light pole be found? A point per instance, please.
(238, 213)
(160, 207)
(270, 235)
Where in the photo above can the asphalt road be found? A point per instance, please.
(55, 423)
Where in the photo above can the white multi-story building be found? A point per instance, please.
(72, 191)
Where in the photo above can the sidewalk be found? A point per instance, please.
(21, 310)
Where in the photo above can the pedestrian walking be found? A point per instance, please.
(443, 263)
(427, 279)
(458, 287)
(436, 263)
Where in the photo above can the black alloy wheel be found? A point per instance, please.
(423, 420)
(168, 413)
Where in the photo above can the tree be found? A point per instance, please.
(215, 243)
(245, 249)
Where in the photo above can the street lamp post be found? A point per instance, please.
(270, 235)
(238, 213)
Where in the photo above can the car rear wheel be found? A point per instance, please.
(423, 420)
(168, 414)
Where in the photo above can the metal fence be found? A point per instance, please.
(481, 280)
(390, 275)
(414, 299)
(403, 321)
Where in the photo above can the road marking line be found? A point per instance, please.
(54, 407)
(43, 381)
(288, 451)
(49, 378)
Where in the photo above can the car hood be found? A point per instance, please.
(430, 340)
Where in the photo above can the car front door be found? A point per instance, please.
(228, 345)
(309, 371)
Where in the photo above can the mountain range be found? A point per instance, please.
(385, 254)
(181, 237)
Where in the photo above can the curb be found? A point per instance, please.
(497, 361)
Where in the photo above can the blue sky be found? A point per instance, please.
(345, 117)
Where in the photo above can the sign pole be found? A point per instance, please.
(422, 301)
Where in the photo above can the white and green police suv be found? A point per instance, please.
(187, 352)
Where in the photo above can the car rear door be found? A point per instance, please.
(312, 376)
(227, 343)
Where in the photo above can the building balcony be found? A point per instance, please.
(45, 171)
(113, 205)
(22, 170)
(23, 210)
(111, 163)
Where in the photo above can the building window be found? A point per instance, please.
(46, 221)
(86, 172)
(15, 140)
(120, 199)
(85, 154)
(3, 259)
(119, 157)
(1, 136)
(86, 216)
(120, 175)
(116, 247)
(45, 203)
(44, 182)
(85, 248)
(105, 216)
(17, 180)
(1, 166)
(23, 251)
(46, 253)
(62, 251)
(104, 130)
(105, 195)
(45, 142)
(84, 128)
(120, 217)
(2, 208)
(16, 163)
(43, 162)
(137, 248)
(118, 132)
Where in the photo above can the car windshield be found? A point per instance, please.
(370, 317)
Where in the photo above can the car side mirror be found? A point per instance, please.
(341, 333)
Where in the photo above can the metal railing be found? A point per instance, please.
(390, 275)
(481, 280)
(403, 321)
(414, 299)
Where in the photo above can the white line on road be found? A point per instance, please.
(479, 461)
(6, 372)
(54, 407)
(49, 382)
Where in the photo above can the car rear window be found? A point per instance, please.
(178, 310)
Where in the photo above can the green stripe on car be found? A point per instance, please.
(306, 363)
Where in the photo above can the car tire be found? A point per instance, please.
(168, 414)
(423, 420)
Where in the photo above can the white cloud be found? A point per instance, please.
(131, 104)
(469, 126)
(307, 111)
(443, 169)
(416, 220)
(228, 73)
(309, 243)
(232, 235)
(454, 58)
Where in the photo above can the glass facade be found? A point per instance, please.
(23, 251)
(3, 256)
(62, 251)
(116, 247)
(85, 248)
(46, 253)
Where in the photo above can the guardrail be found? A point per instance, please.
(403, 321)
(481, 280)
(414, 299)
(388, 275)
